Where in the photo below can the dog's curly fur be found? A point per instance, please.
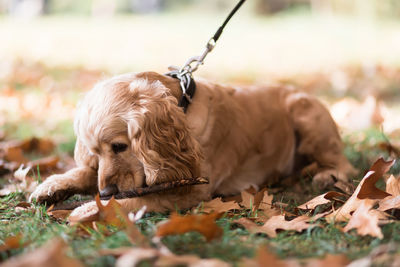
(238, 137)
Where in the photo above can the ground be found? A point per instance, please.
(38, 98)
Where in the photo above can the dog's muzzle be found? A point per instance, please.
(109, 190)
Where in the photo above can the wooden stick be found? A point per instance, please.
(158, 188)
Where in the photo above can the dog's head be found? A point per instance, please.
(133, 124)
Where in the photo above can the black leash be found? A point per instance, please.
(184, 74)
(188, 86)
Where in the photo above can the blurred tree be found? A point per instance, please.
(26, 8)
(147, 6)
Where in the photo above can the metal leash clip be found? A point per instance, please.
(198, 60)
(184, 74)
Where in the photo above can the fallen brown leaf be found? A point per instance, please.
(128, 256)
(51, 254)
(12, 242)
(365, 221)
(109, 214)
(393, 201)
(25, 183)
(247, 200)
(329, 260)
(266, 202)
(265, 258)
(275, 223)
(389, 203)
(366, 190)
(45, 164)
(15, 154)
(217, 205)
(58, 214)
(320, 200)
(391, 149)
(134, 256)
(39, 145)
(278, 222)
(204, 224)
(188, 260)
(393, 186)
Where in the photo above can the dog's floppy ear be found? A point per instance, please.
(160, 135)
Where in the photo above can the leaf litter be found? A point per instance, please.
(363, 212)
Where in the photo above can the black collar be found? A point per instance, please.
(188, 87)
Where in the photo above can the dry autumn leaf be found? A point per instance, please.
(329, 260)
(134, 256)
(188, 260)
(266, 201)
(45, 164)
(393, 186)
(204, 224)
(26, 184)
(250, 200)
(51, 254)
(128, 256)
(365, 191)
(368, 189)
(217, 205)
(15, 154)
(393, 201)
(265, 258)
(58, 214)
(12, 242)
(365, 221)
(277, 223)
(109, 214)
(320, 200)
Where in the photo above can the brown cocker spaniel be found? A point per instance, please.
(132, 133)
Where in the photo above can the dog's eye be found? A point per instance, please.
(118, 147)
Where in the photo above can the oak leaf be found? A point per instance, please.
(393, 201)
(50, 254)
(45, 164)
(277, 223)
(24, 183)
(320, 200)
(365, 221)
(265, 258)
(58, 214)
(128, 256)
(204, 224)
(134, 256)
(366, 191)
(188, 260)
(12, 242)
(393, 186)
(217, 205)
(15, 154)
(329, 260)
(109, 214)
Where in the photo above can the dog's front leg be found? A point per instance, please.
(61, 186)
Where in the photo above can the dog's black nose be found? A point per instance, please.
(109, 190)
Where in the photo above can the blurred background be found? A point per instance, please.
(347, 52)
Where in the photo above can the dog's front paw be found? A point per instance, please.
(324, 179)
(83, 213)
(50, 191)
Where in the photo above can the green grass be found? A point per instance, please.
(236, 242)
